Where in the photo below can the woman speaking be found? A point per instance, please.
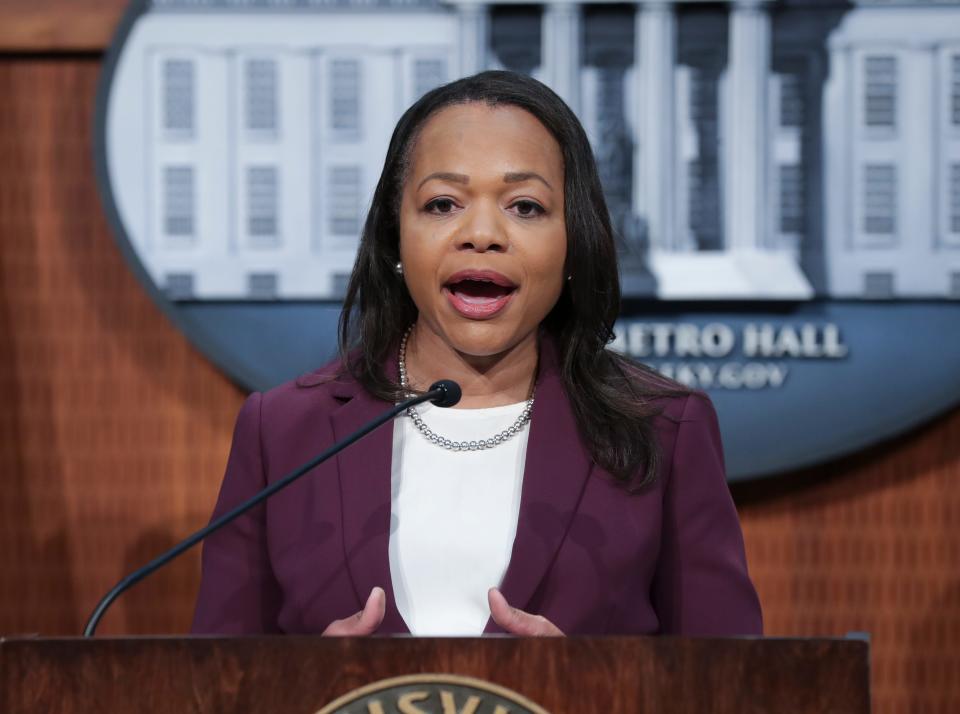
(571, 491)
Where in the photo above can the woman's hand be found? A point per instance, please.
(518, 622)
(364, 622)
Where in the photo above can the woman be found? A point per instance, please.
(593, 497)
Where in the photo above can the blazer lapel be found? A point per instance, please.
(364, 470)
(555, 474)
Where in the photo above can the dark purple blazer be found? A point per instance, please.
(588, 556)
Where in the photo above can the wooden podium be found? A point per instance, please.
(304, 675)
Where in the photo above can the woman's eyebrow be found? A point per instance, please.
(512, 177)
(519, 176)
(446, 176)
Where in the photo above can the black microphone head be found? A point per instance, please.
(451, 393)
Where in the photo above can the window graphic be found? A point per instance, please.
(791, 199)
(948, 173)
(345, 95)
(178, 90)
(262, 204)
(878, 284)
(344, 203)
(262, 286)
(955, 90)
(880, 199)
(880, 91)
(789, 136)
(955, 198)
(179, 286)
(178, 205)
(261, 104)
(791, 101)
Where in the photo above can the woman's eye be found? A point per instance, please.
(528, 209)
(440, 205)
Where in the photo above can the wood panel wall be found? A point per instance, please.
(114, 431)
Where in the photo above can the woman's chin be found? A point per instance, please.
(485, 338)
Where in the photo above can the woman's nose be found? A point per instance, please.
(482, 231)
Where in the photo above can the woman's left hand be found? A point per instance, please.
(518, 622)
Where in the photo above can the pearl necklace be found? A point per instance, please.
(435, 438)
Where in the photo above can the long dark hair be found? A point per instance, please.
(612, 397)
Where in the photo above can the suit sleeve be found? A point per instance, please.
(701, 586)
(238, 592)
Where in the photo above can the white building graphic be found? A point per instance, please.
(892, 150)
(757, 149)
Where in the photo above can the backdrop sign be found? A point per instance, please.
(789, 237)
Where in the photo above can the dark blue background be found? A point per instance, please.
(903, 367)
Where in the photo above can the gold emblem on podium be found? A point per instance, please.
(432, 694)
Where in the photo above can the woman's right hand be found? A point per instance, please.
(364, 622)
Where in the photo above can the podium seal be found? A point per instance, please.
(432, 694)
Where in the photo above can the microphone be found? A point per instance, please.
(451, 392)
(444, 393)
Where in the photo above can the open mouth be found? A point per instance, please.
(479, 294)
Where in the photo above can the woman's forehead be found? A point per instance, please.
(478, 136)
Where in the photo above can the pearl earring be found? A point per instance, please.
(398, 268)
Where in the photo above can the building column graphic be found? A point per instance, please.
(474, 23)
(746, 134)
(655, 163)
(562, 49)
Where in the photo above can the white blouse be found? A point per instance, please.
(454, 517)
